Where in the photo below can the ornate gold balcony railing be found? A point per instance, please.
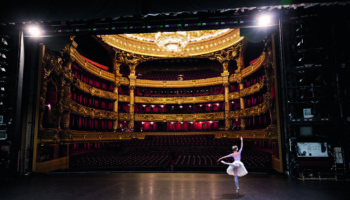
(76, 108)
(91, 68)
(248, 70)
(180, 117)
(168, 100)
(180, 84)
(250, 112)
(124, 116)
(124, 98)
(166, 84)
(254, 67)
(93, 91)
(252, 89)
(180, 100)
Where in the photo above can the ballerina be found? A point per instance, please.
(236, 168)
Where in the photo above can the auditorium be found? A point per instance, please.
(154, 99)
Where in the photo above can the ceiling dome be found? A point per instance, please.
(174, 44)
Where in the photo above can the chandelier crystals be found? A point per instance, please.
(172, 41)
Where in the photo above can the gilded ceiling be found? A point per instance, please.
(174, 44)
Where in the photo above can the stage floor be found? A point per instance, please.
(167, 186)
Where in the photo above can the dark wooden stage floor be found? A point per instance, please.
(166, 186)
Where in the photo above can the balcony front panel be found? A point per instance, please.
(90, 67)
(93, 91)
(180, 117)
(74, 107)
(180, 84)
(179, 100)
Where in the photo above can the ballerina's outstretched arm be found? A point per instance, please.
(230, 155)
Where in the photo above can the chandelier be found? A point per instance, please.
(172, 41)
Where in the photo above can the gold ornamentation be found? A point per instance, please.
(194, 48)
(73, 107)
(180, 84)
(48, 135)
(177, 100)
(91, 68)
(124, 116)
(180, 117)
(95, 91)
(252, 89)
(254, 67)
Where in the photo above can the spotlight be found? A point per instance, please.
(264, 20)
(35, 31)
(4, 42)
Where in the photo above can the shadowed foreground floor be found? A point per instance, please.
(167, 186)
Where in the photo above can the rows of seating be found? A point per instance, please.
(181, 140)
(123, 161)
(167, 153)
(207, 161)
(163, 161)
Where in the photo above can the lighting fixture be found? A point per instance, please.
(35, 31)
(264, 20)
(172, 41)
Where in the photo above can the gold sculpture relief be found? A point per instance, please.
(52, 73)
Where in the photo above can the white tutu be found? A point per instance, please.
(241, 170)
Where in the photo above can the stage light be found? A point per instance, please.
(35, 31)
(264, 20)
(4, 41)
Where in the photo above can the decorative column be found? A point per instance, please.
(117, 62)
(66, 113)
(269, 82)
(67, 68)
(132, 78)
(241, 101)
(131, 106)
(227, 106)
(115, 109)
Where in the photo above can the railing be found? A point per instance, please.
(180, 100)
(75, 136)
(75, 108)
(180, 117)
(90, 67)
(93, 91)
(180, 84)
